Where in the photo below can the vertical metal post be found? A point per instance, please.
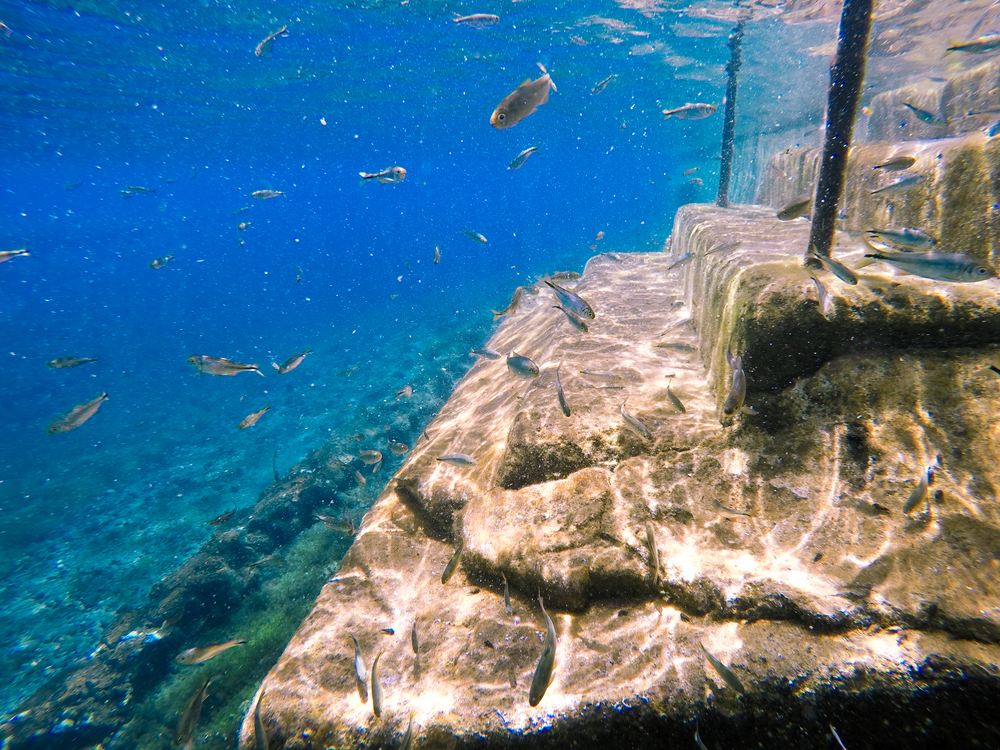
(847, 75)
(729, 121)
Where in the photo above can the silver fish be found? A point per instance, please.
(837, 268)
(360, 672)
(388, 176)
(697, 738)
(522, 157)
(924, 116)
(414, 641)
(601, 85)
(725, 247)
(731, 511)
(457, 459)
(986, 43)
(673, 399)
(738, 391)
(900, 185)
(955, 267)
(474, 236)
(572, 301)
(683, 260)
(259, 735)
(795, 208)
(221, 365)
(370, 457)
(917, 239)
(265, 46)
(291, 363)
(523, 101)
(560, 395)
(695, 111)
(201, 654)
(376, 687)
(477, 20)
(437, 255)
(725, 673)
(452, 566)
(634, 424)
(919, 494)
(825, 302)
(602, 375)
(574, 321)
(512, 307)
(407, 740)
(896, 163)
(62, 363)
(654, 555)
(546, 663)
(837, 737)
(485, 353)
(398, 449)
(191, 714)
(506, 596)
(77, 415)
(522, 367)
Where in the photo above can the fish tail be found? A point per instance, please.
(256, 368)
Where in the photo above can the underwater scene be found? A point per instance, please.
(440, 374)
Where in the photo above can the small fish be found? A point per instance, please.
(506, 596)
(837, 268)
(738, 391)
(686, 348)
(673, 399)
(523, 101)
(437, 255)
(138, 190)
(474, 236)
(916, 239)
(601, 85)
(452, 566)
(697, 738)
(795, 208)
(298, 275)
(268, 561)
(263, 195)
(574, 321)
(223, 519)
(240, 210)
(485, 353)
(654, 555)
(690, 111)
(457, 459)
(601, 375)
(477, 20)
(72, 185)
(201, 654)
(360, 672)
(722, 508)
(405, 392)
(407, 741)
(955, 267)
(725, 673)
(274, 467)
(986, 43)
(512, 307)
(578, 41)
(634, 424)
(572, 302)
(191, 714)
(388, 176)
(8, 254)
(360, 478)
(346, 371)
(62, 363)
(522, 367)
(77, 415)
(414, 642)
(265, 46)
(291, 363)
(398, 449)
(343, 525)
(251, 420)
(259, 735)
(559, 393)
(919, 494)
(160, 262)
(897, 163)
(696, 181)
(725, 247)
(825, 301)
(681, 261)
(837, 737)
(370, 457)
(561, 276)
(924, 116)
(900, 185)
(522, 157)
(221, 365)
(689, 172)
(546, 663)
(376, 687)
(599, 236)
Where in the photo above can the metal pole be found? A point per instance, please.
(729, 121)
(847, 74)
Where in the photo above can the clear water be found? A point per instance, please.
(113, 94)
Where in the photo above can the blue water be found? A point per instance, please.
(114, 94)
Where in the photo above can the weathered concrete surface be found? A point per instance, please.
(826, 599)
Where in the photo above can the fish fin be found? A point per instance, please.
(542, 68)
(275, 366)
(256, 369)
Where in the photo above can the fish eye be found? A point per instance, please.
(501, 116)
(981, 271)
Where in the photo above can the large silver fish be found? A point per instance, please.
(955, 267)
(77, 415)
(572, 302)
(221, 365)
(916, 239)
(634, 424)
(522, 101)
(522, 367)
(574, 321)
(546, 663)
(291, 363)
(689, 111)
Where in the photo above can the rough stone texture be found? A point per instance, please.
(827, 600)
(92, 700)
(957, 203)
